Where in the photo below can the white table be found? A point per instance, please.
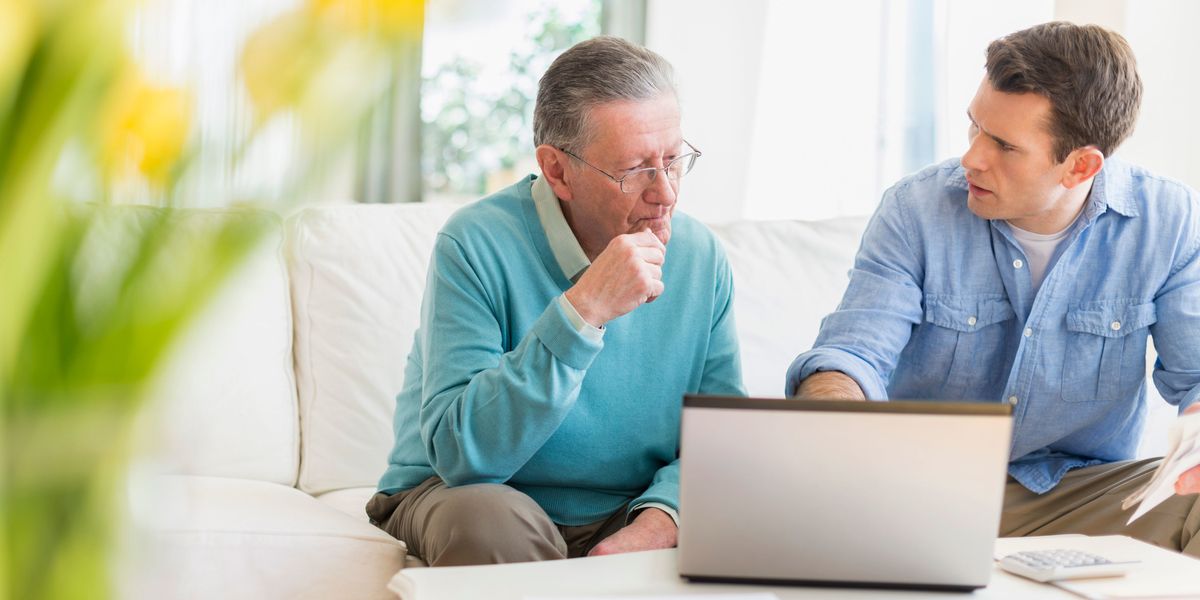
(651, 573)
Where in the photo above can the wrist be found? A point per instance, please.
(583, 307)
(652, 515)
(830, 385)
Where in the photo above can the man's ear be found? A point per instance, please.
(1082, 165)
(553, 163)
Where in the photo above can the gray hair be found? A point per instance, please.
(602, 69)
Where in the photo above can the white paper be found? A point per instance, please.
(1183, 453)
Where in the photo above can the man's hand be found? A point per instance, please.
(652, 529)
(626, 275)
(1189, 482)
(829, 385)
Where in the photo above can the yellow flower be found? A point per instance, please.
(17, 23)
(144, 128)
(278, 60)
(284, 61)
(392, 18)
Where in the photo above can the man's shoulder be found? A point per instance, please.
(500, 214)
(1150, 192)
(938, 180)
(936, 195)
(693, 236)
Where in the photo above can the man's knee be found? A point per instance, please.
(488, 524)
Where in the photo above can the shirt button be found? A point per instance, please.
(1028, 332)
(1116, 325)
(972, 320)
(1017, 264)
(1012, 400)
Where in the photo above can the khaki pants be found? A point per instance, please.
(481, 524)
(1088, 501)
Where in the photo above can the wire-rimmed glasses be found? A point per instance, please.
(636, 181)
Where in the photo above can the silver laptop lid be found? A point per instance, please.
(893, 494)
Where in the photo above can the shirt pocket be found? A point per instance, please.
(1105, 350)
(957, 349)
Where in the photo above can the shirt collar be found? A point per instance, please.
(563, 244)
(1113, 188)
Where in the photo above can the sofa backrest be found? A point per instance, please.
(225, 400)
(358, 275)
(787, 275)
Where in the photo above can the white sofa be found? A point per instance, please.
(274, 418)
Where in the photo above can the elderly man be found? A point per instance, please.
(1031, 272)
(563, 320)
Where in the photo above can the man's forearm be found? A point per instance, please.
(830, 385)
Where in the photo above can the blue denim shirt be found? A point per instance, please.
(941, 306)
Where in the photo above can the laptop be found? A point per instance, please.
(892, 494)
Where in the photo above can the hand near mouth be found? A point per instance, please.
(627, 274)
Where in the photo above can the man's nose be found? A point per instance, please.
(661, 190)
(972, 159)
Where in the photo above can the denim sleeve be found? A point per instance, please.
(1177, 331)
(863, 338)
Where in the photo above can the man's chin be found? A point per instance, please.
(983, 210)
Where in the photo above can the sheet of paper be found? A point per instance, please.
(662, 597)
(1183, 453)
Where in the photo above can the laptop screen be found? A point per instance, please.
(900, 493)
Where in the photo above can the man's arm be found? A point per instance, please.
(829, 385)
(861, 341)
(486, 412)
(653, 527)
(1177, 371)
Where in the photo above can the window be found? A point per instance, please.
(480, 72)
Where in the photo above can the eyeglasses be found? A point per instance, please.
(637, 180)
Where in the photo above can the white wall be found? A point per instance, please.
(968, 28)
(1163, 36)
(748, 77)
(783, 99)
(817, 112)
(717, 56)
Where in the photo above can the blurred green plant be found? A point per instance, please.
(92, 297)
(471, 130)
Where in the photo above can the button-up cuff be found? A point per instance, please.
(826, 359)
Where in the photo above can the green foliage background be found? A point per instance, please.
(470, 130)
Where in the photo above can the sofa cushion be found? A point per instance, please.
(353, 502)
(225, 398)
(358, 275)
(209, 537)
(787, 275)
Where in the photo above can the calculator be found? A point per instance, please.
(1056, 565)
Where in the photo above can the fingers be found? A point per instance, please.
(653, 256)
(647, 238)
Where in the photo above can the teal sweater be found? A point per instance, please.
(501, 388)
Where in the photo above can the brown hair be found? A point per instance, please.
(1087, 72)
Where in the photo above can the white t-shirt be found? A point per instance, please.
(1039, 249)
